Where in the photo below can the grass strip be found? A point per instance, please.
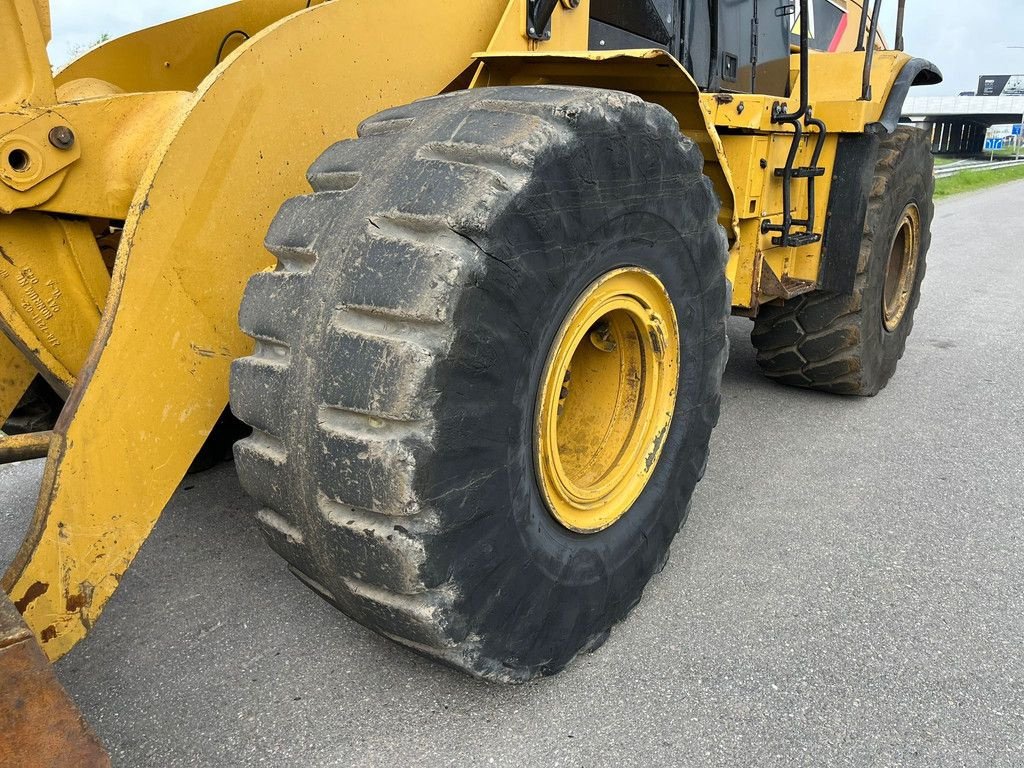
(973, 180)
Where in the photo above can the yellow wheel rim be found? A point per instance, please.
(606, 400)
(901, 269)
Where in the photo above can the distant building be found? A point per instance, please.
(1001, 85)
(960, 124)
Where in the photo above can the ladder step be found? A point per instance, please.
(797, 239)
(807, 172)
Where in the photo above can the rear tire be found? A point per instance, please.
(851, 343)
(400, 348)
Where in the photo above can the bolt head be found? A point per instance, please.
(62, 137)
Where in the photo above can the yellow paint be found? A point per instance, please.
(24, 66)
(835, 88)
(759, 196)
(43, 11)
(178, 55)
(651, 74)
(16, 373)
(53, 285)
(735, 133)
(122, 131)
(570, 30)
(37, 159)
(607, 399)
(901, 269)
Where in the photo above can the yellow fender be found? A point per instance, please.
(654, 75)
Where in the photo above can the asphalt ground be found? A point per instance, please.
(849, 590)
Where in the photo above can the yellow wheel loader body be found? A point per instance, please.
(178, 144)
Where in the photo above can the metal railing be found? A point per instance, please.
(973, 166)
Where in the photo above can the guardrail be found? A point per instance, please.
(973, 166)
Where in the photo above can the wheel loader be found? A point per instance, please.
(463, 268)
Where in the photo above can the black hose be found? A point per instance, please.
(228, 36)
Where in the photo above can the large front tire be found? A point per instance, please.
(402, 346)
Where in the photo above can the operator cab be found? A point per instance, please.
(727, 45)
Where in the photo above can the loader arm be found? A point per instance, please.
(154, 379)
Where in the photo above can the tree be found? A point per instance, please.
(76, 51)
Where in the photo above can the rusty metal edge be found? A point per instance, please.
(39, 723)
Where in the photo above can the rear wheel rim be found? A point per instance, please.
(607, 399)
(901, 268)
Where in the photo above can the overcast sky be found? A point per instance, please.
(965, 39)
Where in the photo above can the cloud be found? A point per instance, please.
(965, 39)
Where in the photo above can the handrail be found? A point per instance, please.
(900, 13)
(785, 117)
(863, 26)
(802, 117)
(869, 55)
